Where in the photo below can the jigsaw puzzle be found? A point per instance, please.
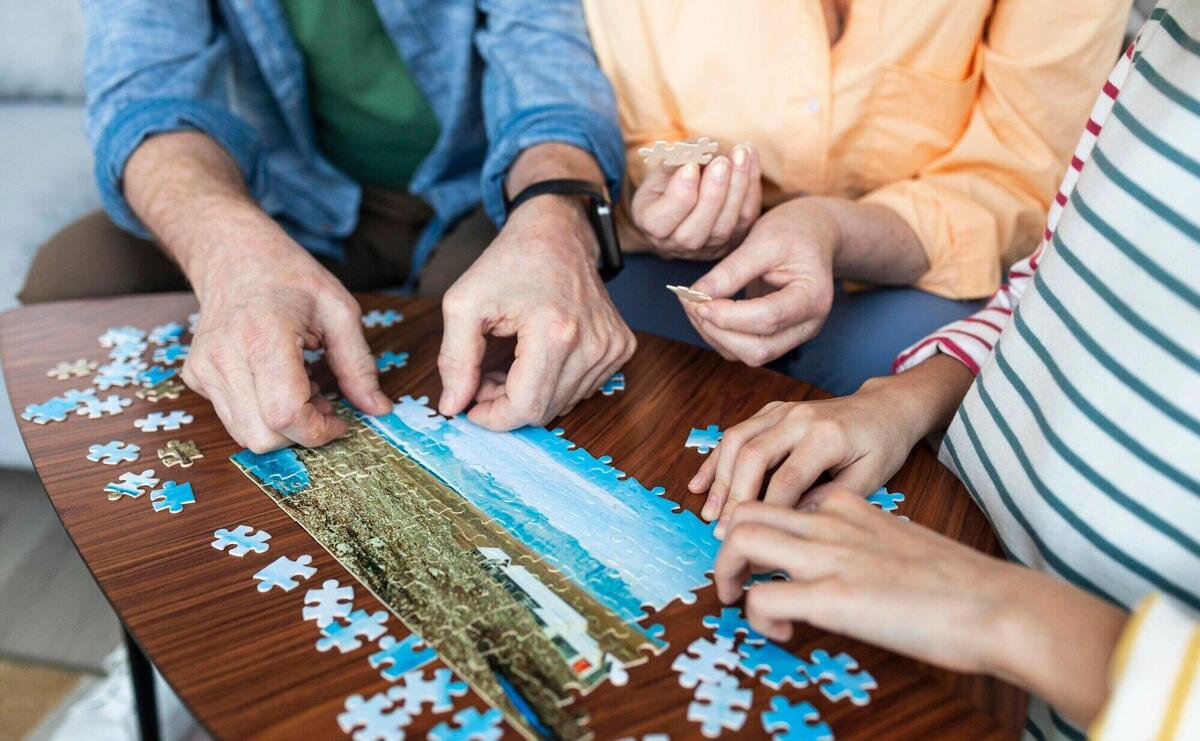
(799, 722)
(155, 375)
(782, 667)
(172, 497)
(95, 408)
(312, 356)
(886, 500)
(703, 440)
(243, 539)
(131, 484)
(113, 452)
(527, 562)
(689, 294)
(415, 691)
(121, 336)
(730, 624)
(166, 334)
(171, 353)
(345, 636)
(372, 719)
(283, 572)
(717, 704)
(838, 678)
(156, 421)
(377, 318)
(674, 154)
(169, 389)
(389, 360)
(331, 601)
(703, 661)
(400, 657)
(54, 409)
(179, 453)
(130, 352)
(76, 369)
(470, 725)
(614, 384)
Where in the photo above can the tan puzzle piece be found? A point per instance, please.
(178, 453)
(675, 154)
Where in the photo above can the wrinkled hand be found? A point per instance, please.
(694, 214)
(258, 310)
(860, 440)
(786, 265)
(537, 281)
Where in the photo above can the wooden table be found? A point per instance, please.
(244, 662)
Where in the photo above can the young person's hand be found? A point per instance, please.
(864, 573)
(859, 440)
(694, 213)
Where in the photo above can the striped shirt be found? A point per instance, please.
(1080, 438)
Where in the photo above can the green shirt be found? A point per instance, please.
(371, 119)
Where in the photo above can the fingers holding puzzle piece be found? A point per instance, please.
(676, 154)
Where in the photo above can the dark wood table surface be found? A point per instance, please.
(245, 663)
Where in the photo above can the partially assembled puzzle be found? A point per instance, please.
(527, 562)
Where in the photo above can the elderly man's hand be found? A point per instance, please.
(537, 282)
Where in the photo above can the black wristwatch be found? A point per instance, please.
(599, 211)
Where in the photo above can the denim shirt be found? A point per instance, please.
(501, 76)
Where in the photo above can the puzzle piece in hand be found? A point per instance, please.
(704, 440)
(242, 541)
(716, 706)
(730, 624)
(170, 389)
(782, 666)
(155, 375)
(75, 369)
(838, 678)
(330, 601)
(689, 294)
(165, 334)
(401, 657)
(346, 635)
(388, 360)
(614, 384)
(414, 690)
(193, 321)
(95, 409)
(799, 722)
(674, 154)
(471, 725)
(172, 497)
(171, 353)
(131, 484)
(373, 718)
(51, 410)
(703, 660)
(128, 352)
(179, 453)
(312, 356)
(113, 452)
(377, 318)
(886, 500)
(156, 421)
(283, 572)
(121, 336)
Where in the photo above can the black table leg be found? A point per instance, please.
(142, 674)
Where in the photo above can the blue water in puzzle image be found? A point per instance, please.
(621, 542)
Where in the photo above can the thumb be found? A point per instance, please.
(749, 261)
(460, 358)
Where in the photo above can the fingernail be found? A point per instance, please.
(691, 171)
(720, 530)
(739, 155)
(444, 402)
(720, 168)
(706, 511)
(382, 400)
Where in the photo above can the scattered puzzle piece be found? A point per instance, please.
(704, 440)
(75, 369)
(799, 722)
(372, 718)
(165, 334)
(614, 384)
(130, 352)
(689, 294)
(780, 664)
(282, 469)
(193, 321)
(674, 154)
(121, 336)
(169, 389)
(838, 679)
(703, 660)
(377, 318)
(242, 541)
(345, 636)
(95, 409)
(171, 353)
(471, 726)
(172, 497)
(179, 453)
(330, 601)
(388, 360)
(131, 484)
(75, 396)
(716, 706)
(155, 375)
(156, 421)
(414, 691)
(886, 500)
(51, 410)
(113, 452)
(312, 356)
(400, 657)
(730, 624)
(282, 573)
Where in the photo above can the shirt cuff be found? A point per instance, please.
(564, 125)
(144, 118)
(1154, 687)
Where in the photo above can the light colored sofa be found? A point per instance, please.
(45, 164)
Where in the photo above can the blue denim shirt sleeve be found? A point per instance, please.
(542, 83)
(154, 66)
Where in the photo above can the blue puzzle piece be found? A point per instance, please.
(782, 666)
(155, 375)
(377, 318)
(414, 690)
(838, 678)
(730, 624)
(704, 440)
(284, 572)
(614, 384)
(400, 657)
(345, 636)
(165, 334)
(799, 722)
(172, 497)
(471, 726)
(54, 409)
(171, 353)
(113, 452)
(716, 706)
(282, 470)
(886, 500)
(242, 540)
(388, 360)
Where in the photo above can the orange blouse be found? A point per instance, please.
(958, 114)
